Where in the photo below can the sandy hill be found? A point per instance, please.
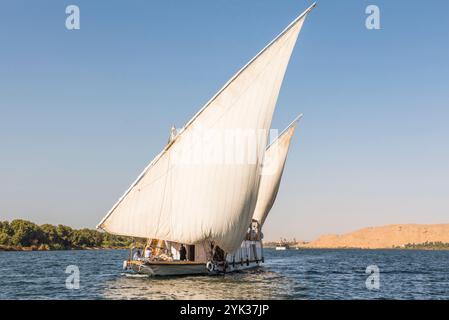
(385, 237)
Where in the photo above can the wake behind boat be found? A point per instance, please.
(200, 215)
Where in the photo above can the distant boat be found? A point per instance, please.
(207, 218)
(282, 245)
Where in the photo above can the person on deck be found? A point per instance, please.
(148, 253)
(218, 254)
(137, 255)
(182, 253)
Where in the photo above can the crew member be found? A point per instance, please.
(182, 253)
(148, 252)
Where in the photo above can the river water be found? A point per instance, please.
(290, 274)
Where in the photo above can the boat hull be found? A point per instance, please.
(167, 269)
(281, 248)
(248, 256)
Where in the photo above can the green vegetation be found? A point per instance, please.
(426, 246)
(22, 234)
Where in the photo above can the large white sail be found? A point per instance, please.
(273, 167)
(193, 201)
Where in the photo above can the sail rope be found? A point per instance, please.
(231, 106)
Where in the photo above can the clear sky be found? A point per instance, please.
(82, 112)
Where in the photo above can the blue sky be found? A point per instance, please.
(83, 111)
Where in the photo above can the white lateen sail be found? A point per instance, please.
(273, 167)
(193, 201)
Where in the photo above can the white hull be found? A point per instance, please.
(244, 266)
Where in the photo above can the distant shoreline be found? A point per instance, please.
(393, 237)
(359, 248)
(23, 235)
(372, 249)
(27, 249)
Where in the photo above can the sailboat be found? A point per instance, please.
(202, 201)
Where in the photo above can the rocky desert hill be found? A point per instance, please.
(390, 236)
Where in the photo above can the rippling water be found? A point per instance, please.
(292, 274)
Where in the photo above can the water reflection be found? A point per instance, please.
(261, 283)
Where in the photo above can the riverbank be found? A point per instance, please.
(40, 248)
(22, 235)
(408, 247)
(411, 248)
(398, 236)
